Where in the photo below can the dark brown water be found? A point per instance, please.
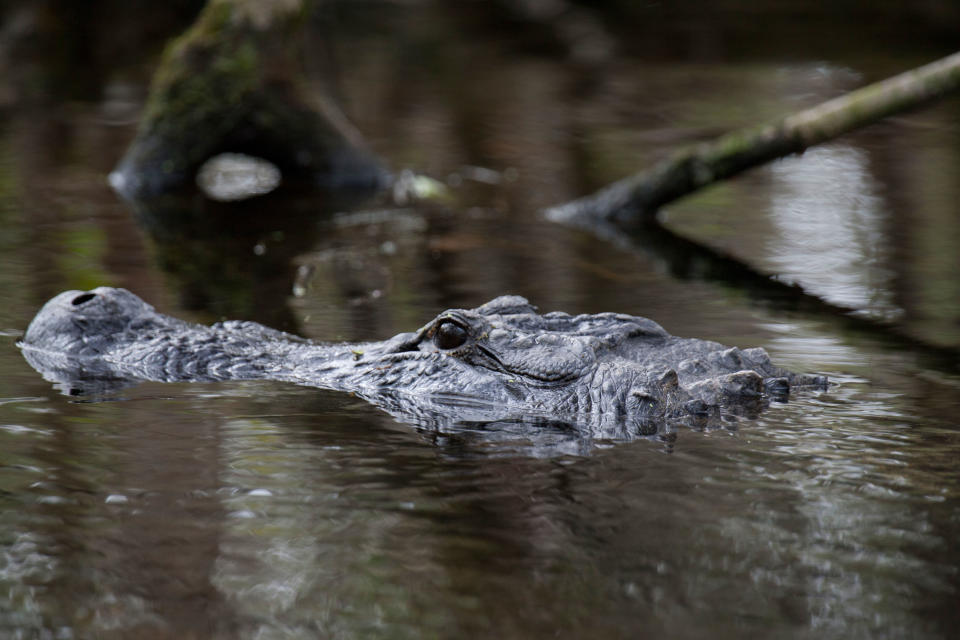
(260, 510)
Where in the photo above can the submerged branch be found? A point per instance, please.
(638, 197)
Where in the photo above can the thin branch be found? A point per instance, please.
(638, 197)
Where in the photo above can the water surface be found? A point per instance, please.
(263, 510)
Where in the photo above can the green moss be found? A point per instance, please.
(203, 85)
(202, 81)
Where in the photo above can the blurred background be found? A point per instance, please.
(263, 511)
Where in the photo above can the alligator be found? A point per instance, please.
(615, 375)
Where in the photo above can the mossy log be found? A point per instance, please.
(232, 83)
(637, 198)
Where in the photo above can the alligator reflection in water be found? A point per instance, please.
(607, 375)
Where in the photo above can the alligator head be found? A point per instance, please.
(619, 375)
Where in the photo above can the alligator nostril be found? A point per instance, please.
(83, 297)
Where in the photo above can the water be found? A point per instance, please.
(263, 510)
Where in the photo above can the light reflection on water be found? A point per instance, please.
(796, 346)
(830, 222)
(235, 176)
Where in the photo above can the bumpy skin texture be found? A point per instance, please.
(614, 374)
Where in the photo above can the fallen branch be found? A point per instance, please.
(637, 198)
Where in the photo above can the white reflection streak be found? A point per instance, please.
(262, 566)
(237, 176)
(25, 569)
(830, 221)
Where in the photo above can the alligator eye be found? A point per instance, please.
(83, 297)
(449, 335)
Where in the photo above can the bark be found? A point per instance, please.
(637, 197)
(232, 83)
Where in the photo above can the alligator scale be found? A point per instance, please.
(615, 374)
